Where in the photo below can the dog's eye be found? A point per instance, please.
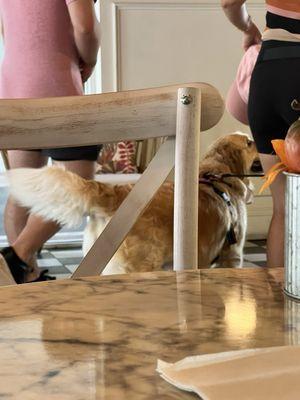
(249, 143)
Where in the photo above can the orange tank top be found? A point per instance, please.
(286, 28)
(284, 8)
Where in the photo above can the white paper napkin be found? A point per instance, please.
(257, 374)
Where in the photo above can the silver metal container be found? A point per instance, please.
(292, 236)
(291, 321)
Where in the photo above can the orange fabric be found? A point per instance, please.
(278, 146)
(289, 5)
(272, 174)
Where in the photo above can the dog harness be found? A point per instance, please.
(208, 180)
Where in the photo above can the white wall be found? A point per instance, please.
(159, 42)
(93, 85)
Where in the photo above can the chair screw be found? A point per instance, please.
(186, 99)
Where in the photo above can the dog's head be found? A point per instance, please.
(236, 150)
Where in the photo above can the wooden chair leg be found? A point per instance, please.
(186, 179)
(5, 275)
(5, 159)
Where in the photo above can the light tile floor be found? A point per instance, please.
(63, 262)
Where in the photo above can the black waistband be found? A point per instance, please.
(278, 22)
(277, 53)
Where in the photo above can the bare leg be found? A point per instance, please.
(275, 241)
(15, 217)
(37, 231)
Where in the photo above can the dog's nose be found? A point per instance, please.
(256, 166)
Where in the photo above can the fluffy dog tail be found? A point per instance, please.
(59, 195)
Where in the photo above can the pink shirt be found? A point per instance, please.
(40, 56)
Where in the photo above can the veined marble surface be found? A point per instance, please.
(100, 338)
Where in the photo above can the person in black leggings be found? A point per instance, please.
(275, 83)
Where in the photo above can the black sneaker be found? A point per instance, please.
(19, 269)
(44, 277)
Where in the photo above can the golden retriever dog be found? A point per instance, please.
(59, 195)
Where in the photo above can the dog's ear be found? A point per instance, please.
(233, 156)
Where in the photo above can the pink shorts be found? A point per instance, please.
(237, 97)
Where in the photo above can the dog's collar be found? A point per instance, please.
(220, 177)
(210, 179)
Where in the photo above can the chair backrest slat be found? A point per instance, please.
(87, 120)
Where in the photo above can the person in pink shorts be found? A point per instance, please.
(51, 49)
(238, 95)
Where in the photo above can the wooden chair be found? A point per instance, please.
(177, 112)
(5, 159)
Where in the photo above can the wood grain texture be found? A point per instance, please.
(186, 180)
(6, 278)
(94, 119)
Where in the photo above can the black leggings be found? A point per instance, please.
(89, 153)
(275, 83)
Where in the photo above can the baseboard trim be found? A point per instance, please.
(61, 239)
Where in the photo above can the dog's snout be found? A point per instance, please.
(256, 166)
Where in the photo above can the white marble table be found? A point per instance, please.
(100, 338)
